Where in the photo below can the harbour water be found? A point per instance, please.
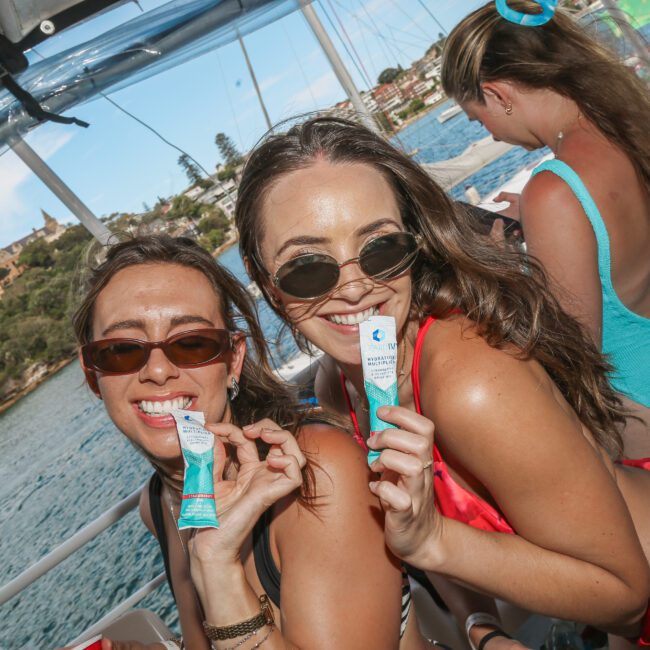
(63, 463)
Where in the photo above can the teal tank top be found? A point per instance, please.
(626, 335)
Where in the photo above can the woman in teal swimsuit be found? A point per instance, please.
(586, 214)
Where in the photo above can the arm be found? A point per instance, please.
(575, 554)
(341, 588)
(559, 235)
(333, 560)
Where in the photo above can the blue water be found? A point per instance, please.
(63, 463)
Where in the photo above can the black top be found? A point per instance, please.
(267, 571)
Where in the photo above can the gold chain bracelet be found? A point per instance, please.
(265, 617)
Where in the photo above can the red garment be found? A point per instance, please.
(453, 500)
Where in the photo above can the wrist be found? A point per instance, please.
(478, 625)
(432, 554)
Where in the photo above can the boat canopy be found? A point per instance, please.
(154, 41)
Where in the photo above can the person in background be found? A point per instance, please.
(537, 79)
(300, 543)
(336, 225)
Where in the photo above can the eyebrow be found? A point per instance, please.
(140, 324)
(307, 240)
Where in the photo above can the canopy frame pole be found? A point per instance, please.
(636, 40)
(338, 66)
(258, 92)
(56, 185)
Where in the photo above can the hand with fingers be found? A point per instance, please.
(512, 210)
(405, 487)
(242, 498)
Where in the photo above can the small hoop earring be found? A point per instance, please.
(233, 390)
(509, 108)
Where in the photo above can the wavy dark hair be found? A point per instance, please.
(262, 394)
(560, 56)
(505, 294)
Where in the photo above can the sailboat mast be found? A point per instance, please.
(254, 78)
(338, 66)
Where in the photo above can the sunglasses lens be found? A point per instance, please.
(117, 356)
(308, 276)
(388, 256)
(197, 349)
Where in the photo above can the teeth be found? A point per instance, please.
(353, 319)
(165, 407)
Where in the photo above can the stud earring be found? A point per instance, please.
(233, 390)
(509, 108)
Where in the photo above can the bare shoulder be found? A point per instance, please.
(548, 199)
(339, 463)
(465, 380)
(145, 508)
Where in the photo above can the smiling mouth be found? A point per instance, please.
(165, 407)
(353, 319)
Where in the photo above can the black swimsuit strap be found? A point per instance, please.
(155, 506)
(267, 571)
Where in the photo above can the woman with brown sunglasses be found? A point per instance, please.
(300, 546)
(336, 225)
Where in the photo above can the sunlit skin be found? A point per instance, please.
(334, 209)
(163, 300)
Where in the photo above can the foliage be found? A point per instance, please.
(35, 309)
(190, 168)
(216, 220)
(389, 75)
(230, 156)
(416, 105)
(4, 272)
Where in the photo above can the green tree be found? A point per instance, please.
(190, 168)
(4, 272)
(216, 220)
(416, 105)
(388, 75)
(37, 253)
(229, 153)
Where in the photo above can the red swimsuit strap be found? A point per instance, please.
(415, 371)
(353, 416)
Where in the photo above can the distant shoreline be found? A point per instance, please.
(52, 369)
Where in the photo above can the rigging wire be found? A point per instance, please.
(345, 47)
(232, 107)
(297, 59)
(444, 31)
(404, 13)
(366, 76)
(377, 33)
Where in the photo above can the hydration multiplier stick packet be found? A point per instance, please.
(378, 341)
(198, 508)
(91, 644)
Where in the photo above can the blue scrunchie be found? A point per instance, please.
(528, 20)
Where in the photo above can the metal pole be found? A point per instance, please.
(56, 185)
(639, 45)
(254, 78)
(338, 66)
(74, 543)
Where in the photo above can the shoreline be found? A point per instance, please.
(52, 369)
(55, 367)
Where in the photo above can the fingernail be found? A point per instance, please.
(371, 442)
(372, 485)
(383, 411)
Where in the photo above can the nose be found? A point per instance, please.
(353, 283)
(158, 369)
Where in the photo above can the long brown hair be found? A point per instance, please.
(504, 294)
(262, 394)
(559, 56)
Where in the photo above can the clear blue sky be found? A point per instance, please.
(116, 165)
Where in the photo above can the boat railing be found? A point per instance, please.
(73, 544)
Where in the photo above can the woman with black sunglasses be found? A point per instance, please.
(300, 546)
(336, 225)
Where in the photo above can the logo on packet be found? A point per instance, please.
(379, 335)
